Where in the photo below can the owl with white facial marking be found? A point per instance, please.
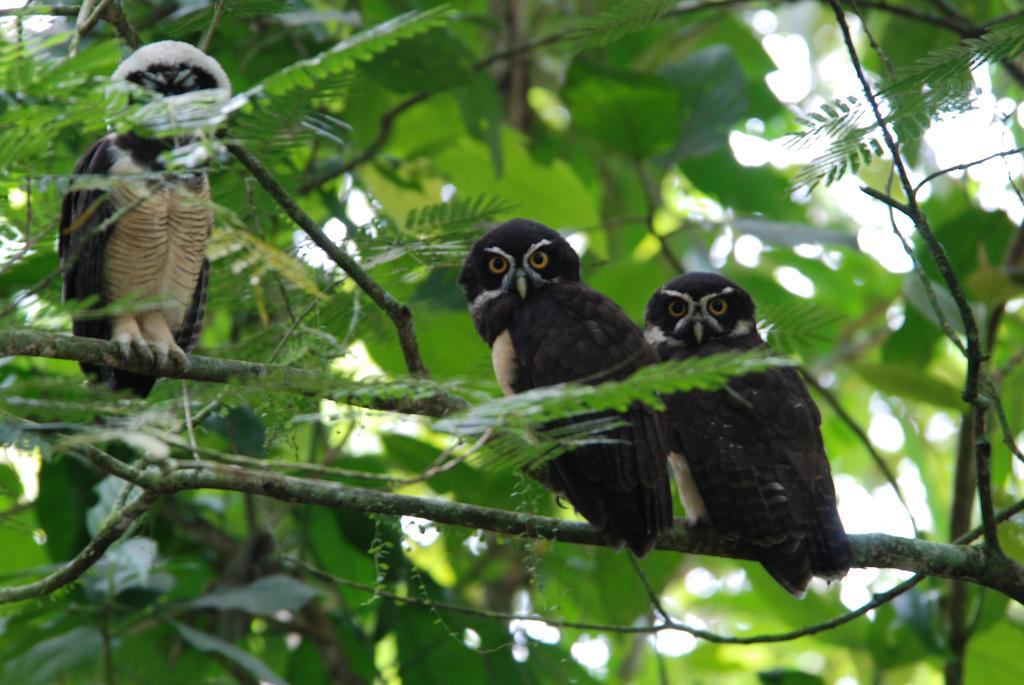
(749, 458)
(544, 327)
(142, 238)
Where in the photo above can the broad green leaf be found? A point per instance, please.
(634, 113)
(791, 233)
(52, 659)
(262, 597)
(782, 676)
(549, 193)
(912, 384)
(205, 642)
(713, 90)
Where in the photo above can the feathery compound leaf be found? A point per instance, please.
(620, 20)
(307, 74)
(938, 83)
(280, 112)
(799, 327)
(524, 416)
(191, 19)
(457, 214)
(568, 400)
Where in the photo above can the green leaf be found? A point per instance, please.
(912, 384)
(792, 233)
(539, 406)
(50, 660)
(126, 565)
(713, 89)
(262, 597)
(345, 56)
(632, 112)
(242, 428)
(800, 327)
(619, 20)
(553, 191)
(205, 642)
(782, 676)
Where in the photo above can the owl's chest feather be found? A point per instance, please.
(156, 249)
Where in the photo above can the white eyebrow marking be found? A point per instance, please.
(724, 291)
(533, 248)
(497, 250)
(674, 293)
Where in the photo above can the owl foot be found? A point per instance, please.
(133, 347)
(169, 358)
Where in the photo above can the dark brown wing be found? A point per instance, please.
(81, 244)
(568, 332)
(757, 458)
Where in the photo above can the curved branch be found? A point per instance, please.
(84, 560)
(976, 564)
(31, 343)
(433, 604)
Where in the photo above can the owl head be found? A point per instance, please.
(696, 308)
(171, 67)
(511, 264)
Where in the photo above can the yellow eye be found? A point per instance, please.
(498, 265)
(677, 308)
(718, 306)
(539, 259)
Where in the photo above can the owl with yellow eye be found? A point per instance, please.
(544, 327)
(748, 458)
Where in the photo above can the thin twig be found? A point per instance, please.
(87, 19)
(83, 561)
(653, 201)
(875, 602)
(204, 44)
(942, 262)
(965, 166)
(189, 426)
(399, 314)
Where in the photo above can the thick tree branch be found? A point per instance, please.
(942, 261)
(31, 343)
(976, 564)
(83, 561)
(399, 314)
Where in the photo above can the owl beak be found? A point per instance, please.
(698, 331)
(521, 285)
